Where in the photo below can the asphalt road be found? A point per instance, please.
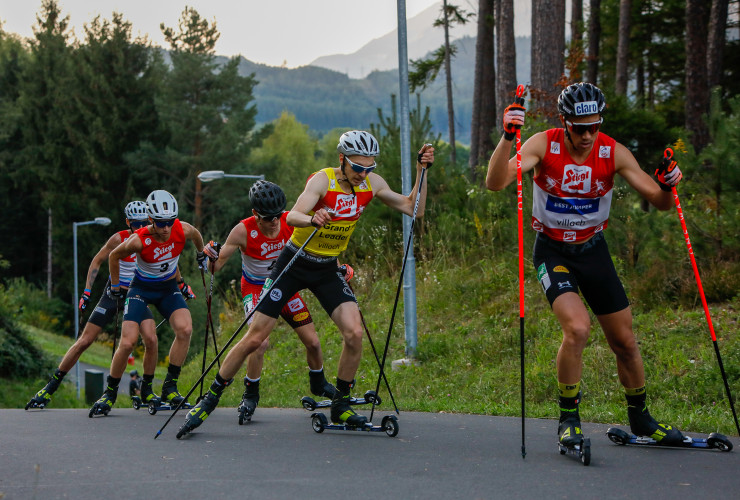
(58, 453)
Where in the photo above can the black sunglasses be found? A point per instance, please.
(268, 218)
(137, 224)
(582, 128)
(164, 223)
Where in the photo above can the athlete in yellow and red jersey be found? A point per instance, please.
(574, 169)
(331, 204)
(260, 239)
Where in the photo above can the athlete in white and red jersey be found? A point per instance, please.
(574, 170)
(331, 203)
(157, 247)
(106, 308)
(260, 239)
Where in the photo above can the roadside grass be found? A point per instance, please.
(468, 349)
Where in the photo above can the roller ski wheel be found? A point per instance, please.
(581, 450)
(389, 425)
(370, 397)
(714, 441)
(158, 405)
(136, 402)
(198, 414)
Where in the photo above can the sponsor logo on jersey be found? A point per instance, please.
(300, 316)
(560, 269)
(586, 108)
(160, 251)
(605, 151)
(148, 241)
(564, 284)
(569, 236)
(271, 248)
(576, 179)
(346, 205)
(253, 234)
(295, 305)
(579, 206)
(276, 294)
(555, 148)
(537, 226)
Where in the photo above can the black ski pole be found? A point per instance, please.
(205, 337)
(375, 352)
(115, 331)
(667, 160)
(265, 293)
(400, 284)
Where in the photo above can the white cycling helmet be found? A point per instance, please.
(161, 205)
(358, 142)
(136, 210)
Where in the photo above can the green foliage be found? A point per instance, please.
(19, 357)
(31, 306)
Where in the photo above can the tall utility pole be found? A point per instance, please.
(48, 259)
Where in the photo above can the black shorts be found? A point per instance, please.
(319, 274)
(105, 310)
(564, 267)
(164, 295)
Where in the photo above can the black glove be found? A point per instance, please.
(114, 294)
(201, 258)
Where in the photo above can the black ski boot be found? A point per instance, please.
(103, 405)
(43, 397)
(341, 410)
(199, 413)
(320, 386)
(643, 424)
(170, 394)
(569, 426)
(250, 399)
(147, 393)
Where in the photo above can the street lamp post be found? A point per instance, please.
(102, 221)
(212, 175)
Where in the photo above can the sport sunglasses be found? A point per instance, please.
(137, 224)
(268, 218)
(360, 168)
(582, 128)
(164, 223)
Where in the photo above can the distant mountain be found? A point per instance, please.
(382, 53)
(324, 99)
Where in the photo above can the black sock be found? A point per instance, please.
(343, 387)
(113, 383)
(218, 385)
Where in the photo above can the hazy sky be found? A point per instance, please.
(265, 31)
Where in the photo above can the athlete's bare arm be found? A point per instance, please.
(193, 235)
(626, 165)
(131, 245)
(502, 166)
(237, 239)
(100, 257)
(316, 189)
(404, 204)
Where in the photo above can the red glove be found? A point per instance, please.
(668, 174)
(347, 271)
(513, 120)
(84, 299)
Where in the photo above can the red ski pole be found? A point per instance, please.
(520, 218)
(667, 165)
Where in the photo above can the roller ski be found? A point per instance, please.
(370, 397)
(198, 414)
(104, 405)
(250, 399)
(646, 431)
(42, 398)
(344, 418)
(170, 399)
(147, 397)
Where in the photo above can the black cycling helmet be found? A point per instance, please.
(581, 99)
(133, 373)
(267, 198)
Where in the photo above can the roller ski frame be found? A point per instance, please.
(244, 414)
(158, 405)
(101, 407)
(389, 425)
(713, 440)
(370, 397)
(582, 450)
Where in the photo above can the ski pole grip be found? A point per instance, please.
(666, 162)
(520, 95)
(418, 157)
